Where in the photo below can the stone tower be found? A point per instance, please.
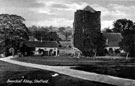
(86, 22)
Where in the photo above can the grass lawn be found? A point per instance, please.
(72, 61)
(11, 75)
(59, 61)
(119, 67)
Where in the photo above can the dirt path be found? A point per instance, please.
(76, 73)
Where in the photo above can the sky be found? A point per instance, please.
(61, 12)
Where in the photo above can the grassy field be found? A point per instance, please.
(18, 75)
(72, 61)
(58, 61)
(118, 67)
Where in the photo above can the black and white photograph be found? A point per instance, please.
(67, 42)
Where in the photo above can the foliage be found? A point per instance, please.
(12, 26)
(99, 43)
(53, 36)
(40, 35)
(46, 36)
(38, 28)
(12, 43)
(44, 33)
(127, 44)
(95, 44)
(121, 25)
(12, 31)
(107, 30)
(126, 28)
(62, 29)
(65, 32)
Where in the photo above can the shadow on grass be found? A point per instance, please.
(113, 70)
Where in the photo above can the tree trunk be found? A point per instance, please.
(127, 55)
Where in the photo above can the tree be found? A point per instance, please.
(43, 34)
(12, 29)
(53, 36)
(107, 30)
(122, 24)
(98, 42)
(40, 35)
(12, 26)
(94, 44)
(126, 28)
(65, 32)
(34, 29)
(61, 29)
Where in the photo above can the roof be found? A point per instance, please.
(90, 9)
(41, 44)
(113, 39)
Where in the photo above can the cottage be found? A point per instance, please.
(112, 40)
(43, 48)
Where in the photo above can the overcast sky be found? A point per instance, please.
(61, 12)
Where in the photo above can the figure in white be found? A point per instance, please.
(76, 52)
